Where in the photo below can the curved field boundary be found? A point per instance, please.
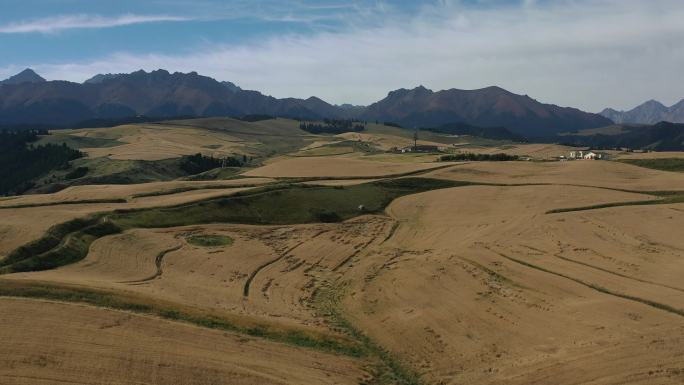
(376, 177)
(390, 234)
(661, 201)
(194, 188)
(326, 342)
(618, 274)
(245, 290)
(158, 260)
(354, 254)
(78, 202)
(600, 289)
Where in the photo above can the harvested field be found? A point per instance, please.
(335, 167)
(479, 283)
(77, 194)
(589, 173)
(156, 142)
(82, 344)
(21, 225)
(532, 150)
(648, 155)
(360, 267)
(385, 141)
(266, 272)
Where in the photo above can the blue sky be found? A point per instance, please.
(585, 53)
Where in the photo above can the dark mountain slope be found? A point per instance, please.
(161, 94)
(497, 133)
(487, 107)
(663, 136)
(157, 93)
(25, 76)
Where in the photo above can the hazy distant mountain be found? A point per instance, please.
(487, 107)
(99, 78)
(498, 133)
(648, 113)
(662, 136)
(231, 86)
(25, 76)
(157, 93)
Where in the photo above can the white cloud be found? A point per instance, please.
(65, 22)
(585, 53)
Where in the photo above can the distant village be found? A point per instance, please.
(585, 155)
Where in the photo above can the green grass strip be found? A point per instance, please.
(110, 300)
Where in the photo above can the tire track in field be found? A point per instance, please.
(245, 290)
(158, 261)
(600, 289)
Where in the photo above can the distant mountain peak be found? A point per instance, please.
(26, 76)
(654, 103)
(649, 112)
(99, 78)
(487, 107)
(404, 92)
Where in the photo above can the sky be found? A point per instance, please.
(588, 54)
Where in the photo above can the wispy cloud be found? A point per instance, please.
(65, 22)
(585, 53)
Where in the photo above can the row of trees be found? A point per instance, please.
(21, 161)
(198, 163)
(333, 126)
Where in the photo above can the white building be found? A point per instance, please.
(584, 155)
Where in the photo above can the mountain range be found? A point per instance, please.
(650, 112)
(662, 136)
(27, 98)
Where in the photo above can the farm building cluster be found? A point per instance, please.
(584, 155)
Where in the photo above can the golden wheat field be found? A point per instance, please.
(378, 268)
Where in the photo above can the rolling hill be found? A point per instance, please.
(663, 136)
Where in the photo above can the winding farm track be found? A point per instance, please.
(158, 261)
(600, 289)
(253, 274)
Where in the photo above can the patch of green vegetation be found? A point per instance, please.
(282, 204)
(23, 162)
(664, 164)
(63, 244)
(78, 142)
(104, 170)
(120, 301)
(212, 146)
(667, 197)
(386, 368)
(210, 240)
(219, 174)
(328, 150)
(190, 188)
(76, 173)
(276, 204)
